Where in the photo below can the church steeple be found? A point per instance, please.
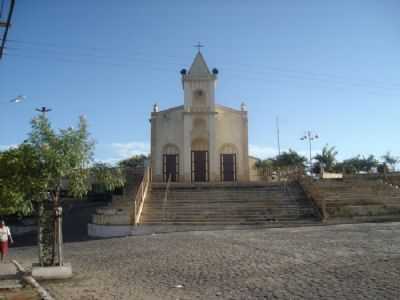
(199, 70)
(199, 84)
(199, 67)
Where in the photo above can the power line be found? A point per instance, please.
(7, 25)
(176, 60)
(68, 47)
(87, 62)
(238, 74)
(263, 75)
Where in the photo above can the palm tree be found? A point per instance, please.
(327, 158)
(390, 160)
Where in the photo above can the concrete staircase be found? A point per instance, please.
(359, 197)
(226, 204)
(118, 212)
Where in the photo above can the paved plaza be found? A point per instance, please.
(320, 262)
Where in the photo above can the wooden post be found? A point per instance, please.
(39, 232)
(59, 235)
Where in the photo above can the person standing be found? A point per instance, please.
(5, 236)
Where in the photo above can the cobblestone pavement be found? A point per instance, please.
(323, 262)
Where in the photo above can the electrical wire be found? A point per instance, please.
(86, 51)
(93, 57)
(260, 70)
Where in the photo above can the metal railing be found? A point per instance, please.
(312, 192)
(140, 197)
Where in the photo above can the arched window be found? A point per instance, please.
(170, 149)
(200, 145)
(228, 149)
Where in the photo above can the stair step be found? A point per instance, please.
(209, 204)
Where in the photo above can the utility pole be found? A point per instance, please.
(310, 136)
(277, 135)
(6, 25)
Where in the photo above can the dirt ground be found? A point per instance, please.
(26, 293)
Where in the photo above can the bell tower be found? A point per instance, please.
(199, 85)
(199, 120)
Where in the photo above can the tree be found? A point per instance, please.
(134, 161)
(390, 160)
(263, 165)
(327, 158)
(15, 189)
(357, 164)
(289, 159)
(44, 162)
(286, 160)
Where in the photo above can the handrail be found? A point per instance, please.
(313, 193)
(166, 195)
(288, 173)
(141, 195)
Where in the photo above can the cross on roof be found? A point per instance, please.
(198, 46)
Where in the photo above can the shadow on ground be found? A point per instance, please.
(77, 215)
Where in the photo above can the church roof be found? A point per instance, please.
(199, 66)
(180, 107)
(226, 108)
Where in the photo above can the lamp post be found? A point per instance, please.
(310, 136)
(44, 110)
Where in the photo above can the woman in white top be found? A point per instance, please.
(5, 235)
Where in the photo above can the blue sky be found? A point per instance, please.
(329, 66)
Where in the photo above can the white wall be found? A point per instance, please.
(231, 128)
(167, 128)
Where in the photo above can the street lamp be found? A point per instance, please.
(310, 136)
(44, 110)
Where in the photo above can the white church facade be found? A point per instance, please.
(199, 141)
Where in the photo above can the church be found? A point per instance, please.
(199, 141)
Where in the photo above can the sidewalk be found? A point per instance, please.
(9, 278)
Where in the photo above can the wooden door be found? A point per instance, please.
(199, 166)
(171, 167)
(228, 167)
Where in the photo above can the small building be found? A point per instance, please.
(199, 141)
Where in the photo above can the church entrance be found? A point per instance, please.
(171, 167)
(200, 166)
(228, 167)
